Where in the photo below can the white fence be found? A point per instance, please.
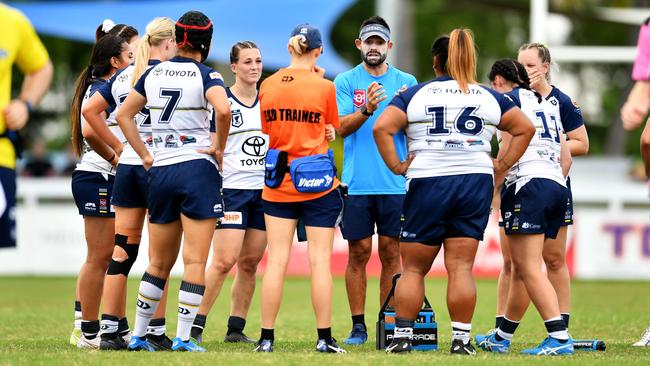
(610, 239)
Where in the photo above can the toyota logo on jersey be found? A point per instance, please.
(254, 146)
(359, 98)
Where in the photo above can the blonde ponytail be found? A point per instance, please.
(158, 30)
(461, 62)
(299, 44)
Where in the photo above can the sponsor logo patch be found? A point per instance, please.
(254, 146)
(236, 118)
(232, 217)
(359, 98)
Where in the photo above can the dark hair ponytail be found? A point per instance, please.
(514, 72)
(107, 47)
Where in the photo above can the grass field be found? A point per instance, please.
(36, 320)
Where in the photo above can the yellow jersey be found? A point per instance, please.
(18, 44)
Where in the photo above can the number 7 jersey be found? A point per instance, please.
(449, 131)
(180, 113)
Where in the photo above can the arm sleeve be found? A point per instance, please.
(32, 55)
(570, 114)
(106, 92)
(514, 97)
(344, 95)
(139, 86)
(332, 117)
(641, 70)
(212, 78)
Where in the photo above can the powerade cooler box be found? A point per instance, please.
(425, 329)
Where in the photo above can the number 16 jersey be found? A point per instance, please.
(449, 130)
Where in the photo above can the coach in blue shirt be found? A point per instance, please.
(375, 194)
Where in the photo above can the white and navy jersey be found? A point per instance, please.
(115, 93)
(542, 157)
(450, 131)
(566, 109)
(180, 117)
(243, 159)
(90, 160)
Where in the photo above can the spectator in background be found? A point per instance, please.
(38, 163)
(19, 44)
(635, 110)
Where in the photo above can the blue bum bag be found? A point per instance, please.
(313, 174)
(275, 167)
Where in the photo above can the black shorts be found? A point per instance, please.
(568, 213)
(363, 212)
(325, 211)
(131, 186)
(536, 208)
(455, 206)
(92, 193)
(192, 188)
(243, 209)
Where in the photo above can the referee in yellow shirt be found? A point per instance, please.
(19, 44)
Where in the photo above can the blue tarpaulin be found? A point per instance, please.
(267, 23)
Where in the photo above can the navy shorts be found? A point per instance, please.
(130, 188)
(320, 212)
(362, 212)
(243, 209)
(92, 193)
(192, 188)
(537, 208)
(568, 213)
(7, 208)
(455, 206)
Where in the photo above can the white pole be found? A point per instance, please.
(398, 15)
(538, 20)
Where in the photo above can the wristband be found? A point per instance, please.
(364, 111)
(28, 104)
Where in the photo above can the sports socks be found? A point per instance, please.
(123, 327)
(461, 331)
(109, 325)
(506, 329)
(565, 317)
(236, 324)
(556, 328)
(403, 328)
(199, 325)
(149, 294)
(157, 327)
(90, 328)
(189, 299)
(267, 334)
(325, 333)
(77, 315)
(498, 320)
(359, 319)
